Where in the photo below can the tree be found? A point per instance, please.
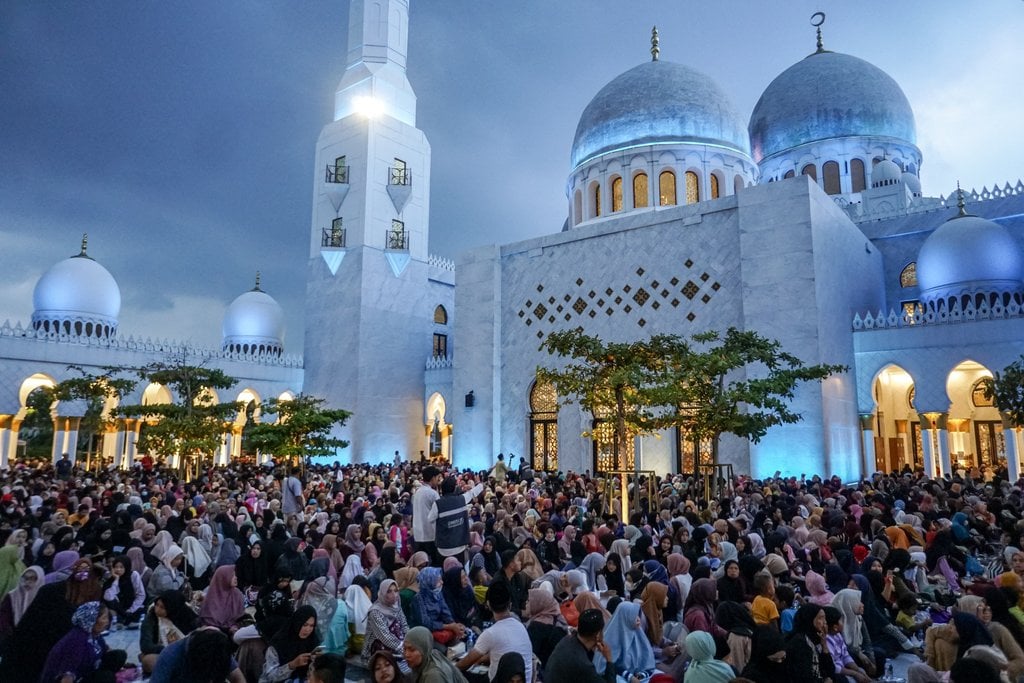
(738, 383)
(303, 428)
(191, 428)
(95, 391)
(1006, 389)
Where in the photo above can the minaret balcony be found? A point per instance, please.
(335, 185)
(399, 175)
(332, 238)
(336, 174)
(396, 240)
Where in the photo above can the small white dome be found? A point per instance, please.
(968, 255)
(254, 324)
(885, 172)
(77, 296)
(913, 183)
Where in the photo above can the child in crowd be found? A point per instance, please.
(764, 608)
(907, 619)
(841, 657)
(785, 601)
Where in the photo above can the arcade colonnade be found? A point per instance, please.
(960, 429)
(120, 436)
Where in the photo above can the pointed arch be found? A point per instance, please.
(667, 188)
(641, 191)
(543, 404)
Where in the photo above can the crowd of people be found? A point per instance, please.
(410, 572)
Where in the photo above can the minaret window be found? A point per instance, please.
(789, 174)
(440, 316)
(830, 176)
(338, 171)
(641, 191)
(810, 170)
(667, 188)
(617, 194)
(857, 177)
(440, 345)
(597, 200)
(399, 174)
(577, 208)
(692, 188)
(397, 238)
(334, 236)
(715, 191)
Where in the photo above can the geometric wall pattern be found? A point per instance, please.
(681, 295)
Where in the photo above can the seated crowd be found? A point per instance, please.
(247, 574)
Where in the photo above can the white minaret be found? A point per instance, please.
(368, 311)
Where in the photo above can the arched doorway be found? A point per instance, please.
(439, 433)
(976, 436)
(896, 427)
(544, 427)
(35, 417)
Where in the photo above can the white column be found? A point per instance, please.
(58, 439)
(1011, 437)
(235, 452)
(131, 436)
(868, 439)
(5, 438)
(928, 446)
(11, 453)
(72, 438)
(943, 434)
(118, 445)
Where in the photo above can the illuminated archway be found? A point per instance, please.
(976, 436)
(438, 432)
(895, 423)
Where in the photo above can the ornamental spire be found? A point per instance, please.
(655, 50)
(817, 19)
(960, 204)
(85, 244)
(257, 287)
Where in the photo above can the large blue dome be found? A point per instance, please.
(968, 254)
(658, 103)
(829, 95)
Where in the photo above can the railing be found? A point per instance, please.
(336, 174)
(991, 307)
(399, 176)
(147, 345)
(333, 237)
(396, 239)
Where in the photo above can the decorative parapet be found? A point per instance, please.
(858, 212)
(147, 345)
(438, 363)
(441, 262)
(937, 314)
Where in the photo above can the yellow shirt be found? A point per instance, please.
(764, 610)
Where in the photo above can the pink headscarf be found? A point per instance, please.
(332, 571)
(819, 592)
(224, 604)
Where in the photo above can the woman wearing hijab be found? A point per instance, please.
(224, 604)
(47, 620)
(353, 543)
(679, 576)
(632, 653)
(330, 543)
(614, 577)
(290, 650)
(458, 595)
(14, 604)
(488, 557)
(319, 592)
(198, 565)
(11, 567)
(807, 655)
(125, 596)
(61, 569)
(407, 579)
(291, 560)
(546, 626)
(430, 610)
(654, 598)
(82, 653)
(386, 626)
(228, 554)
(511, 669)
(730, 585)
(357, 608)
(591, 567)
(848, 601)
(818, 592)
(428, 664)
(252, 571)
(699, 608)
(168, 620)
(704, 668)
(767, 657)
(353, 568)
(587, 600)
(887, 640)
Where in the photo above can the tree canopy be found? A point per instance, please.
(303, 428)
(1006, 389)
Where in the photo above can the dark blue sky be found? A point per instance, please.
(180, 135)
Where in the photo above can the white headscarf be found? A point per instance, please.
(195, 555)
(358, 604)
(353, 568)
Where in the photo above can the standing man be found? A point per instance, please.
(64, 468)
(292, 501)
(398, 460)
(451, 518)
(423, 504)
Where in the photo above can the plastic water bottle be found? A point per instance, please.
(888, 671)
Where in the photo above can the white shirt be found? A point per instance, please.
(422, 505)
(506, 635)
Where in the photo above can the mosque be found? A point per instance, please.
(806, 223)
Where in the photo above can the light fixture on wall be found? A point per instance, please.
(470, 399)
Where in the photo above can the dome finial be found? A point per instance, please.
(257, 287)
(817, 19)
(85, 244)
(655, 50)
(960, 204)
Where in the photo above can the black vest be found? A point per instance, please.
(452, 530)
